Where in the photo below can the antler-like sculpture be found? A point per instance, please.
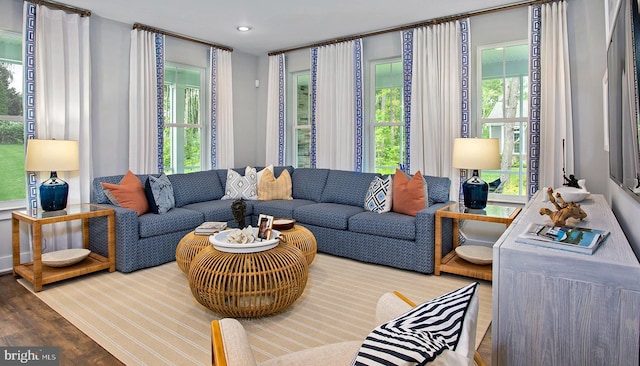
(564, 210)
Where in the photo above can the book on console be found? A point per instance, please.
(210, 227)
(574, 239)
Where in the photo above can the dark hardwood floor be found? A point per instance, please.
(27, 321)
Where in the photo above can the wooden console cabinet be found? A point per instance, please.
(553, 307)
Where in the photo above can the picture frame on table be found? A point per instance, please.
(265, 226)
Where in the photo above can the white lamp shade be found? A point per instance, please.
(52, 155)
(476, 153)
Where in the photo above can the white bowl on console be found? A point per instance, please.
(571, 194)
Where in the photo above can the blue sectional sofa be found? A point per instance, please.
(330, 203)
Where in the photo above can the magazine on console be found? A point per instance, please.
(575, 239)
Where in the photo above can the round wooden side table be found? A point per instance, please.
(302, 238)
(247, 285)
(190, 245)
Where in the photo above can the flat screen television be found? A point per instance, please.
(623, 104)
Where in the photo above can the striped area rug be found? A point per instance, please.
(149, 317)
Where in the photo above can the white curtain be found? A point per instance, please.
(275, 131)
(62, 102)
(221, 109)
(143, 104)
(556, 122)
(335, 118)
(436, 100)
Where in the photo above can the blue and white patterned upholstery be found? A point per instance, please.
(196, 187)
(347, 188)
(340, 229)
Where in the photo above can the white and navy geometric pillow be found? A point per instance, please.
(239, 186)
(421, 334)
(378, 198)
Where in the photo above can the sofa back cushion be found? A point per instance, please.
(347, 188)
(308, 184)
(196, 187)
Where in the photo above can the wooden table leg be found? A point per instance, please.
(37, 257)
(111, 240)
(438, 248)
(15, 243)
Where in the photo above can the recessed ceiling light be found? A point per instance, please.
(243, 28)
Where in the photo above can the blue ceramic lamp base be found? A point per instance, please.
(475, 192)
(53, 193)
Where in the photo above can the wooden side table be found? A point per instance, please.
(451, 263)
(39, 274)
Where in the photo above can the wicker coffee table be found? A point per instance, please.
(303, 239)
(190, 245)
(247, 285)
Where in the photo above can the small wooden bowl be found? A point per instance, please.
(283, 224)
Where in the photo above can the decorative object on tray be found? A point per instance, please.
(239, 209)
(574, 193)
(265, 224)
(210, 227)
(476, 254)
(574, 239)
(243, 241)
(283, 224)
(64, 258)
(564, 210)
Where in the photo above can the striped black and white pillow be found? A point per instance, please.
(421, 334)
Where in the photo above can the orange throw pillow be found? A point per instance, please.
(408, 194)
(129, 193)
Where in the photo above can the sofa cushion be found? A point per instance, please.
(279, 208)
(270, 188)
(196, 187)
(241, 186)
(159, 192)
(438, 188)
(328, 215)
(307, 184)
(177, 219)
(389, 224)
(217, 210)
(347, 188)
(424, 332)
(128, 193)
(409, 193)
(379, 195)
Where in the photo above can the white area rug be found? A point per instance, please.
(149, 317)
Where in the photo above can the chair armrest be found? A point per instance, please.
(391, 305)
(229, 344)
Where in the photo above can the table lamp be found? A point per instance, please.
(476, 154)
(54, 156)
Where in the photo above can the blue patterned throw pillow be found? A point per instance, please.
(424, 332)
(378, 198)
(159, 192)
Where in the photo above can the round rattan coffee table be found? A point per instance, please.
(190, 245)
(302, 238)
(247, 285)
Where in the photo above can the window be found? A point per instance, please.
(504, 112)
(302, 118)
(12, 172)
(387, 129)
(184, 131)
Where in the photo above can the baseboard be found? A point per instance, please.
(6, 262)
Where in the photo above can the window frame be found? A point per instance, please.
(203, 113)
(525, 120)
(295, 127)
(370, 142)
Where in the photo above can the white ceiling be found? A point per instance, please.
(277, 24)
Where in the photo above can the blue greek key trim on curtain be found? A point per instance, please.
(281, 110)
(407, 65)
(30, 96)
(159, 40)
(214, 106)
(358, 103)
(534, 99)
(465, 80)
(314, 91)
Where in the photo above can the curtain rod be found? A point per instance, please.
(413, 25)
(71, 9)
(175, 35)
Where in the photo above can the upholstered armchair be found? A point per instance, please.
(230, 345)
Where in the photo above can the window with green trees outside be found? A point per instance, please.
(12, 171)
(504, 113)
(183, 127)
(389, 139)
